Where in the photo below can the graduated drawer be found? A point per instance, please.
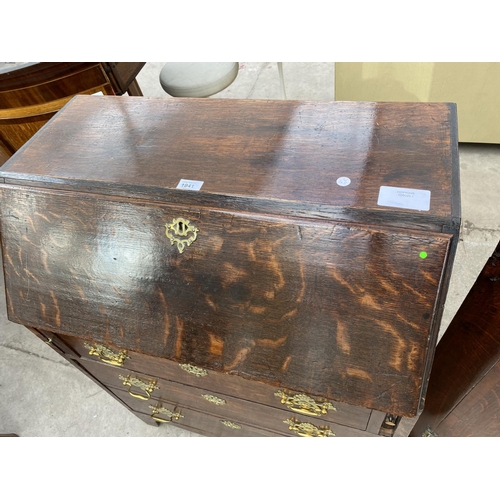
(217, 382)
(146, 388)
(164, 412)
(217, 425)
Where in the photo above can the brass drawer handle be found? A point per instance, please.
(305, 429)
(214, 399)
(231, 425)
(172, 415)
(193, 370)
(106, 355)
(305, 405)
(147, 386)
(181, 231)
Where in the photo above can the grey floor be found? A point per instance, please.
(42, 395)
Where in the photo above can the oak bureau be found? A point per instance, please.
(239, 267)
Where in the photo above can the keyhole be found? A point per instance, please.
(181, 227)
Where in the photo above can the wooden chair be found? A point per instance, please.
(31, 94)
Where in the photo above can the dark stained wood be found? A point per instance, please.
(239, 300)
(294, 281)
(203, 422)
(196, 421)
(134, 89)
(35, 74)
(376, 420)
(213, 382)
(123, 77)
(52, 341)
(462, 397)
(30, 95)
(30, 76)
(240, 407)
(253, 155)
(102, 386)
(147, 419)
(405, 426)
(478, 414)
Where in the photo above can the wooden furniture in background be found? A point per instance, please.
(464, 388)
(122, 76)
(473, 86)
(246, 268)
(31, 94)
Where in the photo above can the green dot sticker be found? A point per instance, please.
(423, 255)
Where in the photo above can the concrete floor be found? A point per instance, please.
(42, 395)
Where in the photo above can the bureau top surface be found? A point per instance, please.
(318, 157)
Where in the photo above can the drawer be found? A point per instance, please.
(146, 388)
(224, 426)
(166, 413)
(220, 383)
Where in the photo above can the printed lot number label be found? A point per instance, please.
(398, 197)
(190, 185)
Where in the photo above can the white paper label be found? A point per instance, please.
(190, 185)
(413, 199)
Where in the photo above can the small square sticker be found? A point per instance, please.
(189, 185)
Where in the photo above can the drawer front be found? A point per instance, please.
(146, 388)
(318, 307)
(165, 413)
(225, 426)
(208, 380)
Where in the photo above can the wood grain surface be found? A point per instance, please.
(210, 424)
(211, 381)
(275, 156)
(339, 311)
(232, 408)
(295, 281)
(464, 387)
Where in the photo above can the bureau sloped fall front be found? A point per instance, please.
(239, 268)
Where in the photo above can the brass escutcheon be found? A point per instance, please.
(306, 429)
(305, 405)
(172, 415)
(231, 425)
(178, 233)
(106, 355)
(214, 399)
(193, 370)
(147, 386)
